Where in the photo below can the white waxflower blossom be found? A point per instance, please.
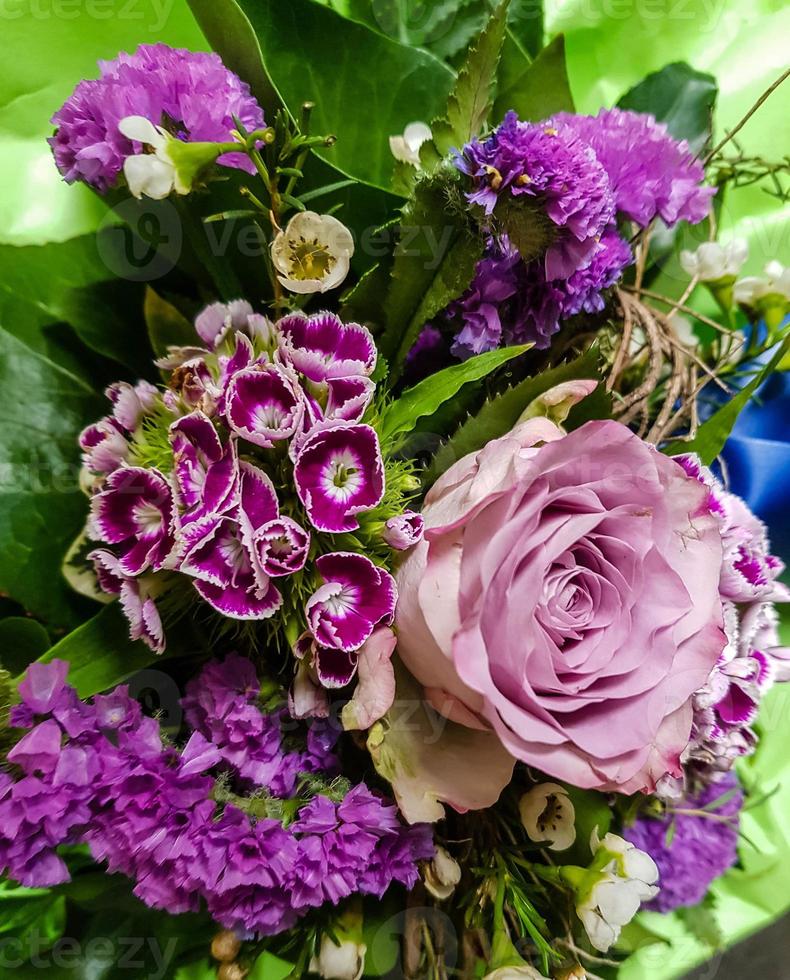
(521, 972)
(617, 890)
(313, 253)
(774, 283)
(712, 261)
(406, 147)
(442, 874)
(345, 961)
(549, 816)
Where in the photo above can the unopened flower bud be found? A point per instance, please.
(225, 946)
(442, 874)
(231, 971)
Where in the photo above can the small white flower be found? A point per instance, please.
(149, 174)
(406, 148)
(549, 816)
(313, 253)
(442, 874)
(619, 888)
(774, 282)
(339, 962)
(522, 972)
(713, 261)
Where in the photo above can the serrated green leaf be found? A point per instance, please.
(500, 414)
(679, 96)
(701, 920)
(535, 89)
(100, 653)
(472, 96)
(435, 260)
(711, 435)
(425, 398)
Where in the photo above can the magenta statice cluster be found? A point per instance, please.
(191, 94)
(100, 773)
(726, 707)
(582, 173)
(702, 846)
(264, 471)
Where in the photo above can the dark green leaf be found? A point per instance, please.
(471, 98)
(535, 89)
(500, 414)
(21, 642)
(525, 25)
(434, 263)
(425, 398)
(167, 326)
(30, 914)
(43, 510)
(100, 652)
(385, 83)
(73, 282)
(679, 96)
(711, 435)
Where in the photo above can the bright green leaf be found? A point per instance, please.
(500, 414)
(535, 89)
(425, 398)
(270, 967)
(100, 653)
(680, 97)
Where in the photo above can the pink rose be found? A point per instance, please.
(566, 595)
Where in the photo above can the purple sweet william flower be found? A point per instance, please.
(191, 94)
(404, 530)
(206, 473)
(702, 848)
(556, 171)
(322, 347)
(339, 473)
(216, 321)
(104, 446)
(264, 404)
(281, 546)
(131, 402)
(650, 172)
(218, 552)
(356, 596)
(138, 606)
(135, 512)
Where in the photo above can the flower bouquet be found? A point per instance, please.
(432, 631)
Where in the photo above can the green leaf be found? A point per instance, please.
(535, 89)
(425, 398)
(435, 261)
(711, 435)
(500, 414)
(167, 326)
(73, 282)
(471, 98)
(525, 25)
(30, 915)
(680, 97)
(100, 653)
(43, 509)
(21, 642)
(701, 920)
(592, 810)
(366, 87)
(270, 967)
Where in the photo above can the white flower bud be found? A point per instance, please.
(549, 816)
(442, 874)
(713, 261)
(406, 148)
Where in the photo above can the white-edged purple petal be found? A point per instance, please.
(104, 446)
(322, 347)
(131, 402)
(281, 547)
(138, 606)
(135, 512)
(264, 405)
(348, 398)
(205, 472)
(257, 498)
(335, 668)
(339, 473)
(356, 596)
(217, 319)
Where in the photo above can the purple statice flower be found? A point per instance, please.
(701, 850)
(355, 597)
(555, 170)
(190, 94)
(583, 291)
(264, 404)
(218, 551)
(650, 173)
(134, 511)
(355, 845)
(138, 605)
(206, 473)
(322, 347)
(485, 306)
(404, 530)
(339, 473)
